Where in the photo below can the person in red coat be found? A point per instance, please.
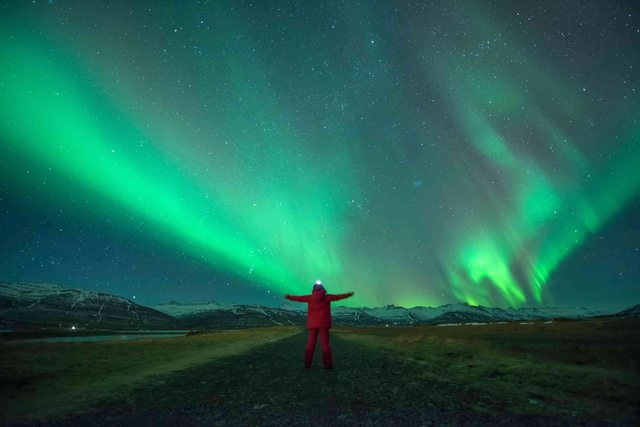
(318, 321)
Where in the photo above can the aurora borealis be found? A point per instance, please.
(417, 153)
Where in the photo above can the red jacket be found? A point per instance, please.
(319, 308)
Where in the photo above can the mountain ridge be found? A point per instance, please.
(43, 304)
(25, 304)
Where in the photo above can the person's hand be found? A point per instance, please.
(287, 296)
(350, 293)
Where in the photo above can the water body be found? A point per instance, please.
(95, 338)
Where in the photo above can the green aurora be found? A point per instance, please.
(462, 167)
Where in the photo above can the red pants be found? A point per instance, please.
(311, 346)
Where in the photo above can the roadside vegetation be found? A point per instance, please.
(47, 379)
(521, 373)
(573, 368)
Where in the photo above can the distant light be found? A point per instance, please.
(134, 297)
(387, 325)
(73, 327)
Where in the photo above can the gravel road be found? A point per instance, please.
(269, 386)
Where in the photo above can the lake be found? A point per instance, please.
(119, 337)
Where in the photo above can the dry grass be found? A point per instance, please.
(46, 379)
(566, 368)
(585, 367)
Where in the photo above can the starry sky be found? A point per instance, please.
(416, 153)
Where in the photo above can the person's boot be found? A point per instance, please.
(308, 358)
(327, 359)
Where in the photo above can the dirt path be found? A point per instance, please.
(269, 386)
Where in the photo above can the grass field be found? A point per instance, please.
(561, 373)
(576, 368)
(48, 379)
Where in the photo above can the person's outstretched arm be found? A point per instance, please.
(336, 297)
(303, 298)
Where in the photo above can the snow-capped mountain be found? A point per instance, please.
(47, 304)
(293, 306)
(295, 314)
(242, 316)
(464, 312)
(42, 304)
(178, 310)
(630, 312)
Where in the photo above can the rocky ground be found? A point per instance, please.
(269, 386)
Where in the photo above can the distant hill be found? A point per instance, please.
(458, 313)
(243, 316)
(178, 310)
(209, 314)
(46, 304)
(630, 312)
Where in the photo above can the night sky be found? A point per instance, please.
(417, 153)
